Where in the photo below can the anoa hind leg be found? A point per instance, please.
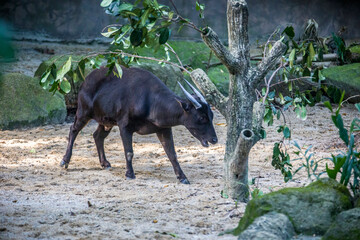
(99, 136)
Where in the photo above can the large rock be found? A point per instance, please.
(345, 227)
(311, 209)
(346, 77)
(272, 225)
(170, 75)
(24, 103)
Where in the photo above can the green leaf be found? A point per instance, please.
(197, 6)
(297, 145)
(303, 113)
(65, 69)
(307, 72)
(119, 70)
(171, 15)
(145, 17)
(111, 32)
(125, 7)
(105, 3)
(80, 70)
(200, 7)
(262, 133)
(286, 132)
(344, 135)
(357, 105)
(164, 35)
(331, 172)
(136, 37)
(321, 76)
(292, 58)
(308, 149)
(289, 31)
(311, 52)
(338, 164)
(65, 86)
(328, 105)
(44, 76)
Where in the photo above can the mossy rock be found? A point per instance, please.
(345, 227)
(23, 103)
(311, 209)
(355, 49)
(346, 77)
(59, 61)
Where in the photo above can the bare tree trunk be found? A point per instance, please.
(238, 108)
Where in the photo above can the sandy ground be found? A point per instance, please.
(39, 200)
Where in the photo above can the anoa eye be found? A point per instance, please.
(202, 119)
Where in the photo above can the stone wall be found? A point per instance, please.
(84, 19)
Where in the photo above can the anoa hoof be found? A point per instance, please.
(64, 164)
(184, 181)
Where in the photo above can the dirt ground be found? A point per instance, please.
(39, 200)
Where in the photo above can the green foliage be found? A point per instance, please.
(200, 8)
(340, 47)
(256, 193)
(281, 161)
(298, 64)
(346, 164)
(310, 165)
(147, 26)
(60, 78)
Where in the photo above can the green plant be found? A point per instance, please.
(281, 160)
(256, 191)
(347, 164)
(309, 164)
(340, 47)
(297, 65)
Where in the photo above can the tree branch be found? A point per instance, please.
(269, 82)
(189, 24)
(210, 91)
(257, 74)
(237, 21)
(212, 40)
(243, 146)
(119, 52)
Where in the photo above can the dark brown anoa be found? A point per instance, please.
(138, 102)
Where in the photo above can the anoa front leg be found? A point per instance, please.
(166, 139)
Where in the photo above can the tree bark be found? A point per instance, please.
(243, 115)
(211, 94)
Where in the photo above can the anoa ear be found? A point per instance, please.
(185, 105)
